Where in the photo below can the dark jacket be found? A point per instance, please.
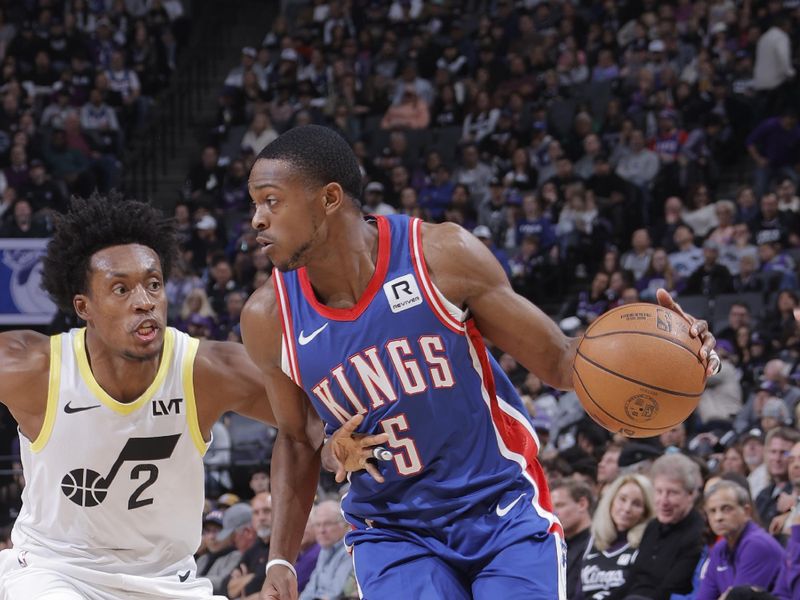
(576, 546)
(667, 558)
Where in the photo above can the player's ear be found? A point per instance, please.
(80, 304)
(333, 196)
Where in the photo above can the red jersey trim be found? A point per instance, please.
(516, 437)
(288, 328)
(375, 282)
(432, 295)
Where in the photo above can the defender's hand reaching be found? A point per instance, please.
(347, 451)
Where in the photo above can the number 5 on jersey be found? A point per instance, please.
(407, 460)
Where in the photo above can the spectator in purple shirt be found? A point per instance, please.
(309, 552)
(435, 197)
(535, 222)
(746, 554)
(773, 146)
(787, 587)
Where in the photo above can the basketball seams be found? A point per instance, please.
(648, 334)
(636, 381)
(616, 419)
(617, 367)
(628, 306)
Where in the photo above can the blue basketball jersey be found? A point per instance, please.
(416, 366)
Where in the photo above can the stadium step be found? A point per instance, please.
(247, 25)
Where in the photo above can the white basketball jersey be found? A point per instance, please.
(115, 487)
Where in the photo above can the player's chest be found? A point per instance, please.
(369, 365)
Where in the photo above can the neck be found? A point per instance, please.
(733, 537)
(341, 270)
(581, 526)
(122, 378)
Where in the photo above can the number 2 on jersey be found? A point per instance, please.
(407, 461)
(134, 501)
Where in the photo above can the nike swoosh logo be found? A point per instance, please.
(185, 576)
(502, 512)
(71, 410)
(305, 339)
(722, 568)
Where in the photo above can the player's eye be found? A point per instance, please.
(119, 290)
(155, 286)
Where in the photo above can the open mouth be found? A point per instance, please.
(146, 332)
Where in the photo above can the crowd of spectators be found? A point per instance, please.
(600, 150)
(78, 78)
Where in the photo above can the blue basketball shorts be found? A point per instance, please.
(482, 557)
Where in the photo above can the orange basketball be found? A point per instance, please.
(637, 371)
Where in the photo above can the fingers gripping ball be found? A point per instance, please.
(637, 371)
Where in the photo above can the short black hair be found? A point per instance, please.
(321, 154)
(95, 223)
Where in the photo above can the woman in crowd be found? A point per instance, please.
(779, 322)
(702, 213)
(481, 121)
(733, 461)
(522, 175)
(659, 274)
(196, 307)
(625, 508)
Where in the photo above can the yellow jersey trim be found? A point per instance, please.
(53, 390)
(187, 370)
(123, 408)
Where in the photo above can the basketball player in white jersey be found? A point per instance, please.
(114, 419)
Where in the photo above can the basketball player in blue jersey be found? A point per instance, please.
(384, 318)
(114, 419)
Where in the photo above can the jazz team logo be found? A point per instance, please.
(87, 488)
(402, 293)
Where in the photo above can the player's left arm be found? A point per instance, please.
(468, 275)
(226, 379)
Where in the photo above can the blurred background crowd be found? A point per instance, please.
(601, 149)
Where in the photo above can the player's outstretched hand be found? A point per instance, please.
(281, 584)
(699, 328)
(348, 451)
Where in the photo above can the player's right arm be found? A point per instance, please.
(296, 454)
(24, 378)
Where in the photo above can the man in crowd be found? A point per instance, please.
(231, 535)
(334, 564)
(309, 552)
(671, 544)
(745, 554)
(572, 503)
(781, 525)
(778, 443)
(608, 467)
(259, 479)
(246, 579)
